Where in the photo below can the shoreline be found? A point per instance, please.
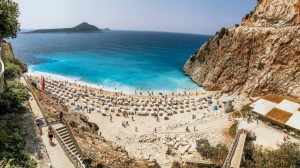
(148, 125)
(114, 89)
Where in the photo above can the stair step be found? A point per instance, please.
(70, 145)
(75, 157)
(74, 150)
(63, 133)
(65, 136)
(62, 130)
(64, 127)
(69, 141)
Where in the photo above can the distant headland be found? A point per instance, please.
(81, 28)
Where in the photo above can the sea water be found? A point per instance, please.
(121, 60)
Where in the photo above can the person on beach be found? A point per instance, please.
(155, 130)
(132, 118)
(61, 116)
(110, 118)
(39, 124)
(187, 129)
(50, 134)
(136, 130)
(194, 116)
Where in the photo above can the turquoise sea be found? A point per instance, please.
(115, 59)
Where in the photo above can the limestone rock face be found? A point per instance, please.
(261, 56)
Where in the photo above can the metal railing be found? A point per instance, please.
(71, 155)
(232, 150)
(76, 162)
(1, 70)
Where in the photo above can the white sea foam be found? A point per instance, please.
(111, 86)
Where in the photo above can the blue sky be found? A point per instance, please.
(188, 16)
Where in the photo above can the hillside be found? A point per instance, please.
(262, 55)
(81, 28)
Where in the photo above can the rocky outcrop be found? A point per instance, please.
(260, 56)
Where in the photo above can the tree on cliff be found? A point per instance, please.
(9, 13)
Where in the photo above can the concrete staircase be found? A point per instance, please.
(68, 144)
(234, 156)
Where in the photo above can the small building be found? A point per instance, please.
(280, 110)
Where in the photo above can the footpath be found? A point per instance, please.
(57, 156)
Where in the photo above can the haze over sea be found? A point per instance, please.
(126, 60)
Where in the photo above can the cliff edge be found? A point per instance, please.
(260, 56)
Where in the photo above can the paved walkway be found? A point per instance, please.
(267, 136)
(236, 159)
(56, 154)
(33, 104)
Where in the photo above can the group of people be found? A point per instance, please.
(90, 100)
(40, 123)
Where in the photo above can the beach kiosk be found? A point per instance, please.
(280, 110)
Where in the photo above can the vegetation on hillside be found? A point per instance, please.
(233, 129)
(286, 156)
(13, 66)
(13, 144)
(217, 154)
(12, 137)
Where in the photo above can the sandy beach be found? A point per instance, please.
(149, 125)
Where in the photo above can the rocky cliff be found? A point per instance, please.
(262, 55)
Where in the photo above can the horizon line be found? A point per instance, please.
(158, 31)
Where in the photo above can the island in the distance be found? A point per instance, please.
(81, 28)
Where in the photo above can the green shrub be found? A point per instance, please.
(10, 62)
(232, 129)
(193, 58)
(216, 153)
(21, 65)
(222, 32)
(287, 155)
(246, 110)
(90, 124)
(205, 149)
(247, 16)
(176, 164)
(13, 145)
(261, 66)
(12, 71)
(34, 84)
(7, 54)
(13, 97)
